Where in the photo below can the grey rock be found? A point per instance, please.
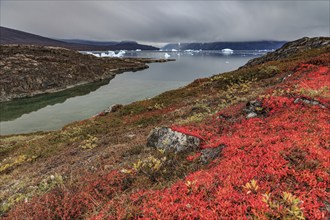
(209, 154)
(254, 108)
(166, 139)
(252, 115)
(308, 101)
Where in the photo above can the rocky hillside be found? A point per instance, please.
(30, 70)
(290, 49)
(247, 144)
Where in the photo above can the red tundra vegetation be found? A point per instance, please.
(274, 166)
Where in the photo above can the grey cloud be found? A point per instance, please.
(169, 21)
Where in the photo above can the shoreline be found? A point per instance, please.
(27, 71)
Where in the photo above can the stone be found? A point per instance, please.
(210, 154)
(308, 101)
(166, 139)
(254, 108)
(252, 115)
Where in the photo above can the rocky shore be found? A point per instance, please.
(27, 71)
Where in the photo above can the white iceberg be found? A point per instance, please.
(138, 50)
(94, 54)
(227, 51)
(166, 55)
(110, 53)
(174, 50)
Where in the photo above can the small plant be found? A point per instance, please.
(151, 167)
(287, 207)
(89, 143)
(51, 182)
(251, 186)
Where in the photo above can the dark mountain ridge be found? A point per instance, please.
(11, 36)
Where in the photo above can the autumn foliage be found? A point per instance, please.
(274, 166)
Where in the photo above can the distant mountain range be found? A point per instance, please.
(12, 36)
(248, 45)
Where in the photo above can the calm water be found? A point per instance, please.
(51, 112)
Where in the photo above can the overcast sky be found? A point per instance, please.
(169, 21)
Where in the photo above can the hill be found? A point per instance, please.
(248, 144)
(249, 45)
(27, 70)
(11, 36)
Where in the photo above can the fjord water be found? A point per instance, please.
(53, 111)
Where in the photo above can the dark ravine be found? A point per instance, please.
(26, 71)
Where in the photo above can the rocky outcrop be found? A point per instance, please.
(210, 154)
(166, 139)
(290, 49)
(254, 108)
(30, 70)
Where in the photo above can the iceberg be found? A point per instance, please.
(94, 54)
(174, 50)
(108, 54)
(138, 50)
(227, 51)
(166, 55)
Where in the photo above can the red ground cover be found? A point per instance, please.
(274, 166)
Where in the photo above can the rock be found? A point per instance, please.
(254, 108)
(252, 115)
(169, 140)
(308, 101)
(115, 107)
(209, 154)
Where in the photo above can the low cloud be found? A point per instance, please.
(169, 21)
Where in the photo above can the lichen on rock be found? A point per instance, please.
(169, 140)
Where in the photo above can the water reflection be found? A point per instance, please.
(16, 108)
(53, 111)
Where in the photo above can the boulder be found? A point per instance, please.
(210, 154)
(308, 101)
(254, 108)
(166, 139)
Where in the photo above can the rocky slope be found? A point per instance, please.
(247, 144)
(290, 49)
(30, 70)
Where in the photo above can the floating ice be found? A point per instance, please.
(227, 51)
(110, 53)
(166, 55)
(174, 50)
(138, 50)
(94, 54)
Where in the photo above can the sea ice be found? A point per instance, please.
(227, 51)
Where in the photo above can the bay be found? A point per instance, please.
(53, 111)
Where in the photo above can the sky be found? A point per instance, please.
(164, 21)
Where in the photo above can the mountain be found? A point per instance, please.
(246, 45)
(11, 36)
(90, 42)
